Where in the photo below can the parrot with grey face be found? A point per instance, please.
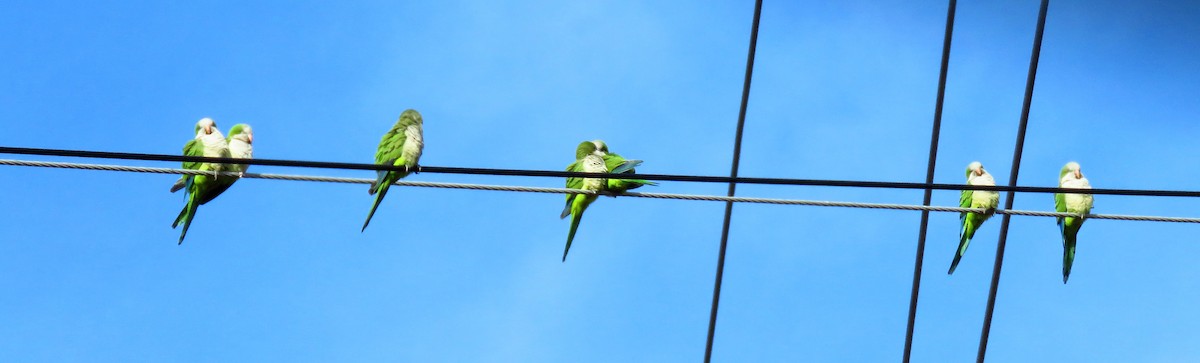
(201, 188)
(975, 199)
(1071, 177)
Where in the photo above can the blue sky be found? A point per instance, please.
(277, 271)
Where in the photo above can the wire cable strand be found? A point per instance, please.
(919, 262)
(733, 173)
(548, 190)
(1012, 180)
(566, 174)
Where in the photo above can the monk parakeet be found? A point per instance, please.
(208, 143)
(400, 146)
(587, 160)
(976, 199)
(619, 165)
(240, 140)
(1071, 177)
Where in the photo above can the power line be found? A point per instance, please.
(733, 173)
(567, 174)
(546, 190)
(1012, 180)
(919, 262)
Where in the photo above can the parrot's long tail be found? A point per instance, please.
(382, 191)
(185, 216)
(963, 242)
(1068, 254)
(576, 214)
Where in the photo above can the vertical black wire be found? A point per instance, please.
(1012, 180)
(737, 153)
(933, 147)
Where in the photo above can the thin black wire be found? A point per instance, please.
(737, 153)
(1012, 180)
(566, 174)
(933, 148)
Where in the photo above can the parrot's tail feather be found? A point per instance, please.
(567, 210)
(378, 198)
(963, 242)
(1068, 254)
(179, 184)
(954, 264)
(179, 218)
(381, 177)
(571, 234)
(187, 183)
(188, 213)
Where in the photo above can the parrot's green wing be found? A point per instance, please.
(1060, 205)
(964, 201)
(619, 165)
(572, 183)
(192, 148)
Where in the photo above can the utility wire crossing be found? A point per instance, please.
(525, 189)
(569, 174)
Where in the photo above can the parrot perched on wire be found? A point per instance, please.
(201, 188)
(976, 199)
(400, 146)
(587, 160)
(1071, 177)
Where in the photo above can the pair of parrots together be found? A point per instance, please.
(1070, 177)
(202, 188)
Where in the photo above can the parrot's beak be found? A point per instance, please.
(208, 130)
(1078, 174)
(250, 138)
(979, 172)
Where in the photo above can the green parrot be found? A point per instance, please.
(619, 165)
(1071, 177)
(208, 143)
(971, 221)
(400, 146)
(587, 160)
(240, 140)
